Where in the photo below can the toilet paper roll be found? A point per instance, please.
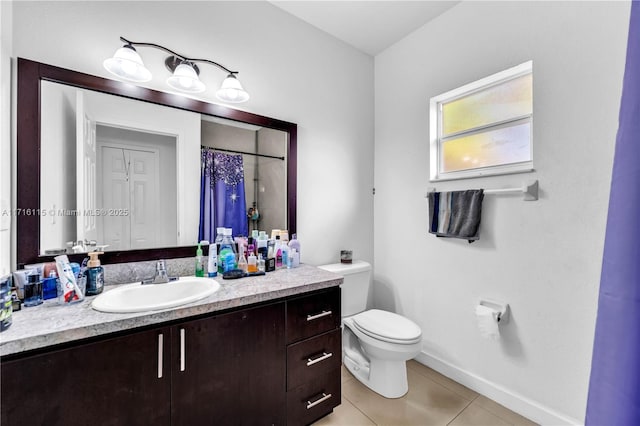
(487, 320)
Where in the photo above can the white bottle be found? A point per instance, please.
(295, 258)
(212, 264)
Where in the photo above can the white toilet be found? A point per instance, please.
(375, 344)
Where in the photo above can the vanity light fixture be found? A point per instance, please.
(127, 64)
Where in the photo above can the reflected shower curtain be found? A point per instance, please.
(222, 201)
(614, 386)
(230, 205)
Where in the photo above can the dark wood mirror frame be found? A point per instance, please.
(30, 74)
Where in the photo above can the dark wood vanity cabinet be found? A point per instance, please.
(109, 382)
(271, 364)
(230, 369)
(314, 355)
(225, 369)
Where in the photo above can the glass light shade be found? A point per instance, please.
(231, 90)
(185, 79)
(127, 64)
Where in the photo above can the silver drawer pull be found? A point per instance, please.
(320, 315)
(183, 350)
(318, 401)
(160, 350)
(311, 361)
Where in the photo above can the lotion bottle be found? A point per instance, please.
(94, 274)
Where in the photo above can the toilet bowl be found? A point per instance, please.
(376, 344)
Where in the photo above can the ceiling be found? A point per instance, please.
(368, 25)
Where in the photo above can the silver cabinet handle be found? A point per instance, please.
(320, 315)
(183, 350)
(318, 401)
(311, 361)
(160, 352)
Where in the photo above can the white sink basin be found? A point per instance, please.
(150, 297)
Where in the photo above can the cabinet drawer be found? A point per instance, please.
(314, 314)
(313, 357)
(313, 400)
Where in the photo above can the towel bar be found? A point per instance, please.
(529, 191)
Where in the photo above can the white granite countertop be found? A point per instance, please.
(50, 324)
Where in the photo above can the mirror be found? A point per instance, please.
(136, 126)
(137, 177)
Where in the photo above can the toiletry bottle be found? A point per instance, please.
(6, 306)
(242, 261)
(261, 263)
(94, 274)
(227, 259)
(278, 252)
(50, 285)
(252, 263)
(285, 255)
(289, 257)
(295, 244)
(199, 262)
(33, 290)
(251, 247)
(212, 262)
(262, 245)
(219, 238)
(295, 261)
(70, 290)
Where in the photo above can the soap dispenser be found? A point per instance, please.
(94, 274)
(199, 262)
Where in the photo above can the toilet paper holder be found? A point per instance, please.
(501, 308)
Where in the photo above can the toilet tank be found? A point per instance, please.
(355, 289)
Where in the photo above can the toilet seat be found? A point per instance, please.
(387, 326)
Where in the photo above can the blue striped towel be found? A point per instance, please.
(456, 214)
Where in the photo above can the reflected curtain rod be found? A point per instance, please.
(241, 152)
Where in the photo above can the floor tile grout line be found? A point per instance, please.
(358, 408)
(461, 411)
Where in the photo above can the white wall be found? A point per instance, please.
(542, 257)
(5, 136)
(293, 72)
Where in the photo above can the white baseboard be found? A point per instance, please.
(524, 406)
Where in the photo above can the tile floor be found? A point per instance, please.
(433, 399)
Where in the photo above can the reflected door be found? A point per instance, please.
(85, 171)
(130, 188)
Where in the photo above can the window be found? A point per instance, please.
(483, 128)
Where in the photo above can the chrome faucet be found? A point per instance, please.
(160, 276)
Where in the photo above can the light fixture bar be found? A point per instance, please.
(179, 56)
(127, 64)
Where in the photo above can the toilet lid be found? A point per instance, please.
(387, 326)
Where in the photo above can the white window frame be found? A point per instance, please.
(435, 127)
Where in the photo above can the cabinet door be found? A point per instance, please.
(230, 369)
(110, 382)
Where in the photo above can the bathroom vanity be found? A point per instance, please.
(262, 350)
